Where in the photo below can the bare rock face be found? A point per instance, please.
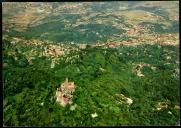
(123, 99)
(137, 69)
(64, 93)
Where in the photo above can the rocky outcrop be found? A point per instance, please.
(123, 99)
(137, 68)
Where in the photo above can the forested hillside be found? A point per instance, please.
(91, 63)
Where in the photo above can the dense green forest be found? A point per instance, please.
(124, 62)
(99, 74)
